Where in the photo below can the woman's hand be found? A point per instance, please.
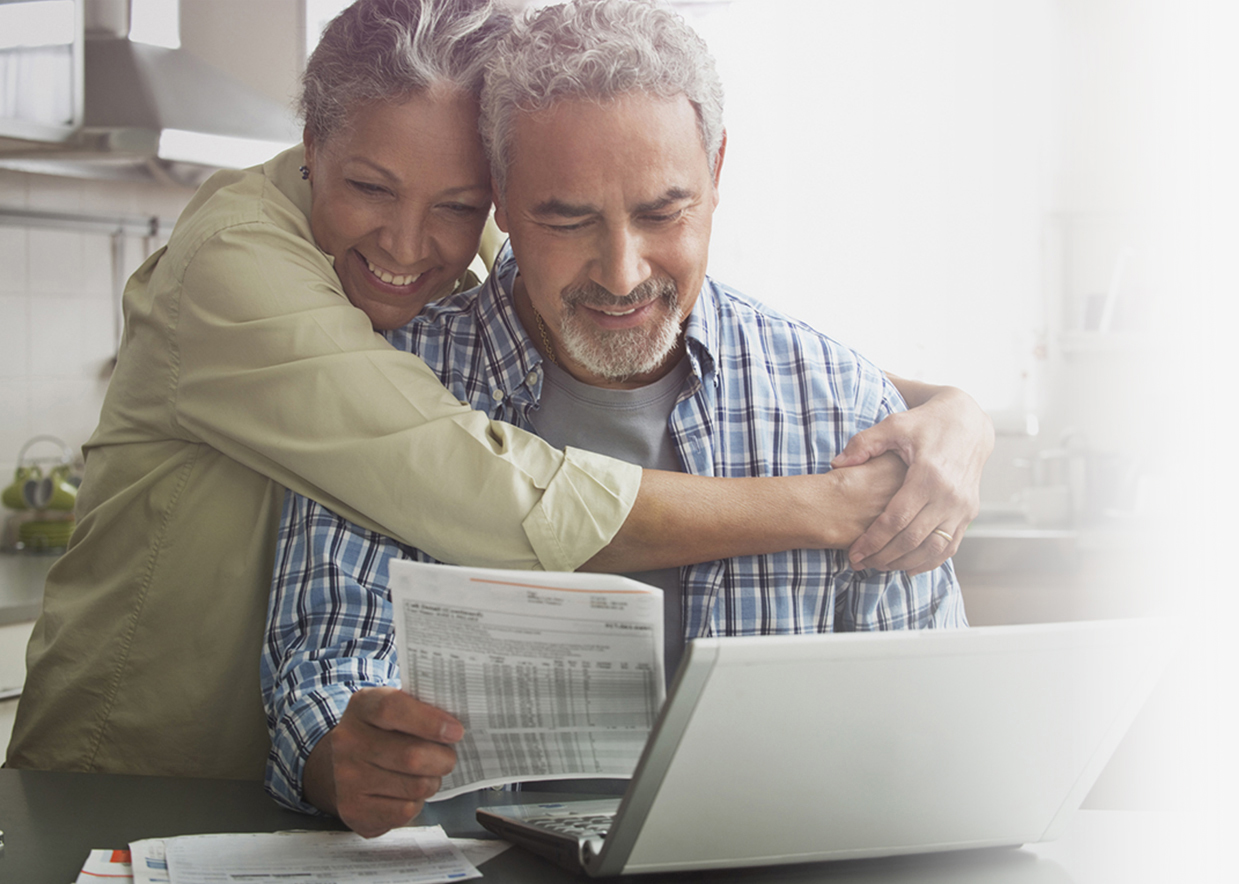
(945, 440)
(376, 768)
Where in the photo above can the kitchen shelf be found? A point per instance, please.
(135, 225)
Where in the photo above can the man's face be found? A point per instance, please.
(609, 209)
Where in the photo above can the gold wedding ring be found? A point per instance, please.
(947, 537)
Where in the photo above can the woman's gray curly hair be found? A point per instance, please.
(599, 50)
(386, 50)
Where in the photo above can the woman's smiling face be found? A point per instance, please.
(400, 195)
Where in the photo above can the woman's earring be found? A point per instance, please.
(305, 173)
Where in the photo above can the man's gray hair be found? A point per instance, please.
(387, 50)
(597, 50)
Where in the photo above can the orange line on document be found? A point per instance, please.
(101, 875)
(560, 588)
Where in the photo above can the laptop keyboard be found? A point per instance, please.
(595, 825)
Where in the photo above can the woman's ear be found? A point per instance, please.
(308, 140)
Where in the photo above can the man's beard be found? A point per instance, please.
(621, 354)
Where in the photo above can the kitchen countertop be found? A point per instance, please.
(22, 575)
(994, 543)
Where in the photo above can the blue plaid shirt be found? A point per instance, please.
(766, 396)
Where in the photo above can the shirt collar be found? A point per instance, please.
(701, 334)
(284, 171)
(510, 353)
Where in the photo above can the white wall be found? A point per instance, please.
(57, 325)
(889, 168)
(944, 184)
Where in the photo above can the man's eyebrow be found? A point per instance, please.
(563, 209)
(674, 195)
(573, 210)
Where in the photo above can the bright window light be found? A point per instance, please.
(216, 150)
(42, 23)
(157, 22)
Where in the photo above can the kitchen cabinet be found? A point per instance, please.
(13, 640)
(21, 598)
(22, 575)
(1029, 575)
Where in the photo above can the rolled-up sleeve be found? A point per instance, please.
(277, 370)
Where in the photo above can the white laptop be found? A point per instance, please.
(783, 749)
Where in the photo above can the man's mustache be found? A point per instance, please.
(591, 294)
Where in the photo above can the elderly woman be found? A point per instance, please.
(251, 364)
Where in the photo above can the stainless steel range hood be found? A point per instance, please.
(156, 113)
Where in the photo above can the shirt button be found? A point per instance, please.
(531, 378)
(496, 394)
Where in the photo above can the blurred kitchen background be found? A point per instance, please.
(1010, 196)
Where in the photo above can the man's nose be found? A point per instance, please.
(403, 237)
(621, 265)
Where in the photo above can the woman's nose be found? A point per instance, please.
(404, 239)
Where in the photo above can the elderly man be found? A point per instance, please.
(600, 329)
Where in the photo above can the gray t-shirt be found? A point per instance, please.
(630, 425)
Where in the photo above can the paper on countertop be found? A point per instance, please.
(145, 862)
(106, 867)
(553, 675)
(479, 850)
(421, 855)
(149, 864)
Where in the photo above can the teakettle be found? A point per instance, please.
(32, 490)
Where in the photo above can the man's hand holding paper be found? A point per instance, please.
(378, 766)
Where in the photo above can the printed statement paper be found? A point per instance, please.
(553, 675)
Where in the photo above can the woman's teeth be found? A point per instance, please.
(389, 278)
